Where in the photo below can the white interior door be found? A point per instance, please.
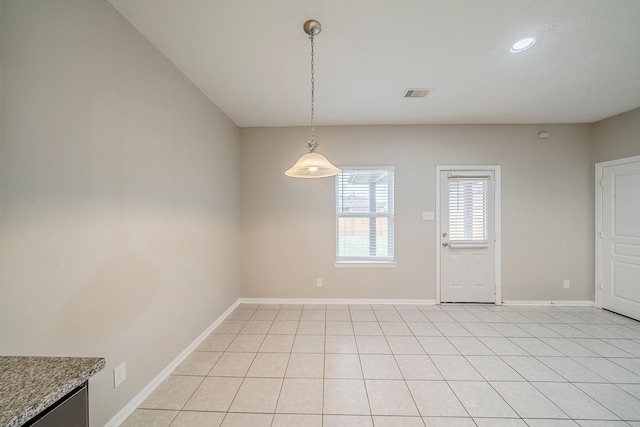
(620, 238)
(467, 236)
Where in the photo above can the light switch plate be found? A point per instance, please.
(428, 216)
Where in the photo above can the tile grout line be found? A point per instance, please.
(284, 374)
(413, 399)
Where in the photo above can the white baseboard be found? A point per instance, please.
(578, 303)
(125, 412)
(334, 301)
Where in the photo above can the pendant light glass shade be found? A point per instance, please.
(312, 165)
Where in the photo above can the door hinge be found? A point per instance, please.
(602, 234)
(602, 183)
(601, 286)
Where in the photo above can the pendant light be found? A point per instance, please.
(312, 164)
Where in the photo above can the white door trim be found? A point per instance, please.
(496, 205)
(599, 169)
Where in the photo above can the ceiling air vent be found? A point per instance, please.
(416, 93)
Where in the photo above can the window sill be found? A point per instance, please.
(365, 264)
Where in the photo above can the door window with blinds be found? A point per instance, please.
(364, 205)
(468, 209)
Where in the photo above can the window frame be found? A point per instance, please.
(378, 261)
(470, 207)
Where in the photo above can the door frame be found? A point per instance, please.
(497, 218)
(598, 224)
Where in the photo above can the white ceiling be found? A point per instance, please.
(251, 57)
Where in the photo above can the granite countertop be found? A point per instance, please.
(30, 384)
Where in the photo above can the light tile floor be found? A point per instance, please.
(406, 366)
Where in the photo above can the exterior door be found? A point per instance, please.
(620, 237)
(467, 236)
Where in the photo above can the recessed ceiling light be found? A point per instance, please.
(523, 44)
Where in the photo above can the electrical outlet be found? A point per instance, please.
(119, 374)
(566, 284)
(319, 283)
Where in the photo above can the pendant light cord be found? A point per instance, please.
(313, 144)
(312, 164)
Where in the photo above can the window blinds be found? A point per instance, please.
(364, 215)
(468, 209)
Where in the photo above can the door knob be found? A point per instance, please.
(445, 244)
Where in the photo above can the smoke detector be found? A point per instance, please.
(416, 93)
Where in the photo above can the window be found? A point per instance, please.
(364, 205)
(468, 210)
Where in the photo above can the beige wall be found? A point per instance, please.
(617, 137)
(288, 225)
(118, 197)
